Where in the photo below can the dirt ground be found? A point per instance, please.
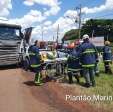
(19, 94)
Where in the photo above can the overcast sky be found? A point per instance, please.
(47, 14)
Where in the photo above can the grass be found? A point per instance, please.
(104, 87)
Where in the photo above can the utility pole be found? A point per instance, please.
(42, 32)
(53, 38)
(79, 19)
(108, 34)
(92, 33)
(57, 34)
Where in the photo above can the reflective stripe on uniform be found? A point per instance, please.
(32, 54)
(34, 66)
(75, 70)
(91, 65)
(107, 60)
(73, 58)
(87, 51)
(38, 81)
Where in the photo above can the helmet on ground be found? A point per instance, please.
(85, 36)
(107, 42)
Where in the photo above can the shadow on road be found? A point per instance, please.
(29, 83)
(8, 67)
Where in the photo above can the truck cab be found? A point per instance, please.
(12, 44)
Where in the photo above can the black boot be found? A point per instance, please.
(97, 74)
(70, 78)
(87, 85)
(106, 70)
(77, 78)
(109, 71)
(93, 84)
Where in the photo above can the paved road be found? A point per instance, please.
(15, 96)
(18, 94)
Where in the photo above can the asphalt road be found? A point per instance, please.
(19, 94)
(16, 96)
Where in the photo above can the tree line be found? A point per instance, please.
(93, 27)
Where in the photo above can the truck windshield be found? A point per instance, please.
(7, 33)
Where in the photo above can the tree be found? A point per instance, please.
(99, 27)
(71, 35)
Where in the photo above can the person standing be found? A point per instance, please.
(73, 65)
(107, 57)
(88, 57)
(35, 62)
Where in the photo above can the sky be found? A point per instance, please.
(46, 15)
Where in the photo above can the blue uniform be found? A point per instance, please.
(107, 54)
(35, 63)
(74, 67)
(107, 58)
(88, 56)
(34, 57)
(73, 61)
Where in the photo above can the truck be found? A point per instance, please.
(12, 43)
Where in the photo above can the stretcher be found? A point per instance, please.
(56, 68)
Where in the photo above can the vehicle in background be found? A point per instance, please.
(71, 44)
(12, 44)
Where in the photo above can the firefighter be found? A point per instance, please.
(73, 66)
(88, 54)
(35, 62)
(107, 57)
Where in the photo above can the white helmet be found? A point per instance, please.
(85, 36)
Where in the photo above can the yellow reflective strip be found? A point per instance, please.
(39, 78)
(35, 66)
(32, 54)
(70, 69)
(107, 60)
(89, 51)
(74, 58)
(91, 65)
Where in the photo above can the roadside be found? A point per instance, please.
(19, 94)
(55, 94)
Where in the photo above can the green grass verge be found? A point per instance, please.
(104, 87)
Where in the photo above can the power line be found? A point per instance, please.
(42, 29)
